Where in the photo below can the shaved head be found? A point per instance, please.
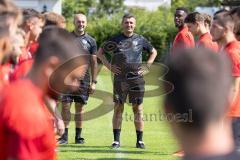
(81, 16)
(80, 23)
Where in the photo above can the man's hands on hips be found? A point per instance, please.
(144, 69)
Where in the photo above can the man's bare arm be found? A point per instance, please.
(113, 68)
(152, 56)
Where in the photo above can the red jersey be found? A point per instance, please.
(24, 56)
(22, 69)
(233, 51)
(184, 39)
(32, 47)
(25, 130)
(205, 41)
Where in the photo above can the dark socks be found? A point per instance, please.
(65, 135)
(116, 134)
(139, 135)
(78, 132)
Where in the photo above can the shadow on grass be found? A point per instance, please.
(105, 159)
(109, 150)
(103, 151)
(80, 146)
(116, 159)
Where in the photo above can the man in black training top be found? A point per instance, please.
(126, 65)
(87, 86)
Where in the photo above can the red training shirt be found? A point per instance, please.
(205, 41)
(232, 50)
(25, 130)
(24, 56)
(184, 39)
(32, 47)
(21, 70)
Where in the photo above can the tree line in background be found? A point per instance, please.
(104, 18)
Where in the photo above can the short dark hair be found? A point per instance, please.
(128, 15)
(220, 11)
(52, 18)
(199, 77)
(207, 19)
(182, 9)
(55, 41)
(194, 17)
(235, 11)
(30, 13)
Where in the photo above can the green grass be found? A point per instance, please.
(160, 143)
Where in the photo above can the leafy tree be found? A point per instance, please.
(157, 27)
(109, 7)
(191, 5)
(69, 7)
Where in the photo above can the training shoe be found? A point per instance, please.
(115, 145)
(140, 144)
(79, 140)
(62, 140)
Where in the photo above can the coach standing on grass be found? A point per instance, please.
(81, 96)
(126, 49)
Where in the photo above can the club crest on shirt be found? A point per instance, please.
(135, 43)
(125, 45)
(84, 41)
(84, 44)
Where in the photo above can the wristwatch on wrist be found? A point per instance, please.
(94, 81)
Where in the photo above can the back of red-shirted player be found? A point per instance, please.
(232, 50)
(206, 42)
(21, 135)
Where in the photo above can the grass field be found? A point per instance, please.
(160, 143)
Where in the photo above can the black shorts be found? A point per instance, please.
(80, 96)
(131, 85)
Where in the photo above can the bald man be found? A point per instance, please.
(222, 31)
(88, 84)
